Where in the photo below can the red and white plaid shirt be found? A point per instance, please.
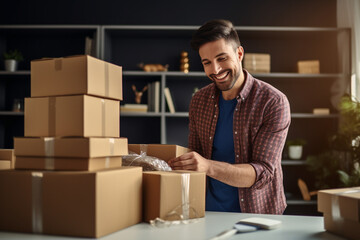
(261, 122)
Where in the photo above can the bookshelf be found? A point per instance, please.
(34, 42)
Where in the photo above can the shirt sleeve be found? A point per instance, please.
(269, 141)
(194, 141)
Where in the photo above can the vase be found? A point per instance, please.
(10, 65)
(295, 151)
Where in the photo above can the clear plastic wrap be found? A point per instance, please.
(148, 163)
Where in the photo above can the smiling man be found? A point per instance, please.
(238, 126)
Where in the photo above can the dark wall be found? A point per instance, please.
(318, 13)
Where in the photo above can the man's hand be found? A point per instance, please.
(190, 161)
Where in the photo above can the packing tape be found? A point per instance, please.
(107, 162)
(52, 116)
(112, 143)
(335, 206)
(143, 149)
(49, 146)
(37, 220)
(185, 189)
(49, 163)
(103, 117)
(107, 79)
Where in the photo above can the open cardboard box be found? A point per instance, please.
(164, 193)
(162, 151)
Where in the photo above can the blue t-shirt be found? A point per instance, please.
(220, 196)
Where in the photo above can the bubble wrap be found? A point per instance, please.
(148, 163)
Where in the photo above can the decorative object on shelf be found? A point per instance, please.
(309, 66)
(155, 67)
(18, 105)
(338, 166)
(195, 90)
(305, 191)
(134, 107)
(295, 148)
(321, 111)
(257, 62)
(11, 60)
(138, 94)
(184, 62)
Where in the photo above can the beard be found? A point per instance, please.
(227, 84)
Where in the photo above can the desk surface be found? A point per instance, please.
(293, 227)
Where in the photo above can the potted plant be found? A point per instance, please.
(295, 148)
(12, 58)
(338, 166)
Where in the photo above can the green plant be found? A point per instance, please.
(296, 142)
(13, 54)
(339, 165)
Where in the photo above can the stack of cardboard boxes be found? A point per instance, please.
(69, 178)
(71, 123)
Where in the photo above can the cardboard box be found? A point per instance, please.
(164, 193)
(346, 201)
(65, 164)
(71, 147)
(7, 154)
(311, 66)
(82, 204)
(75, 75)
(257, 62)
(162, 151)
(78, 116)
(4, 164)
(343, 227)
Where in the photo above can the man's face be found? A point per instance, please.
(222, 64)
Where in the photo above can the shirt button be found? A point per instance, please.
(212, 96)
(215, 105)
(236, 109)
(242, 199)
(235, 132)
(237, 156)
(215, 116)
(210, 138)
(243, 99)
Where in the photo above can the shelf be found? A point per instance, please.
(139, 114)
(293, 162)
(311, 115)
(257, 75)
(10, 113)
(301, 202)
(22, 72)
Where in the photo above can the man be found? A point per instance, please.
(238, 127)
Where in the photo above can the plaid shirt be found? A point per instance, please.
(261, 123)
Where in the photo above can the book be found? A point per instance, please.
(154, 96)
(169, 100)
(156, 87)
(134, 108)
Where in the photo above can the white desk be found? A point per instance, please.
(293, 228)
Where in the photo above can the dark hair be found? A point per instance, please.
(214, 30)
